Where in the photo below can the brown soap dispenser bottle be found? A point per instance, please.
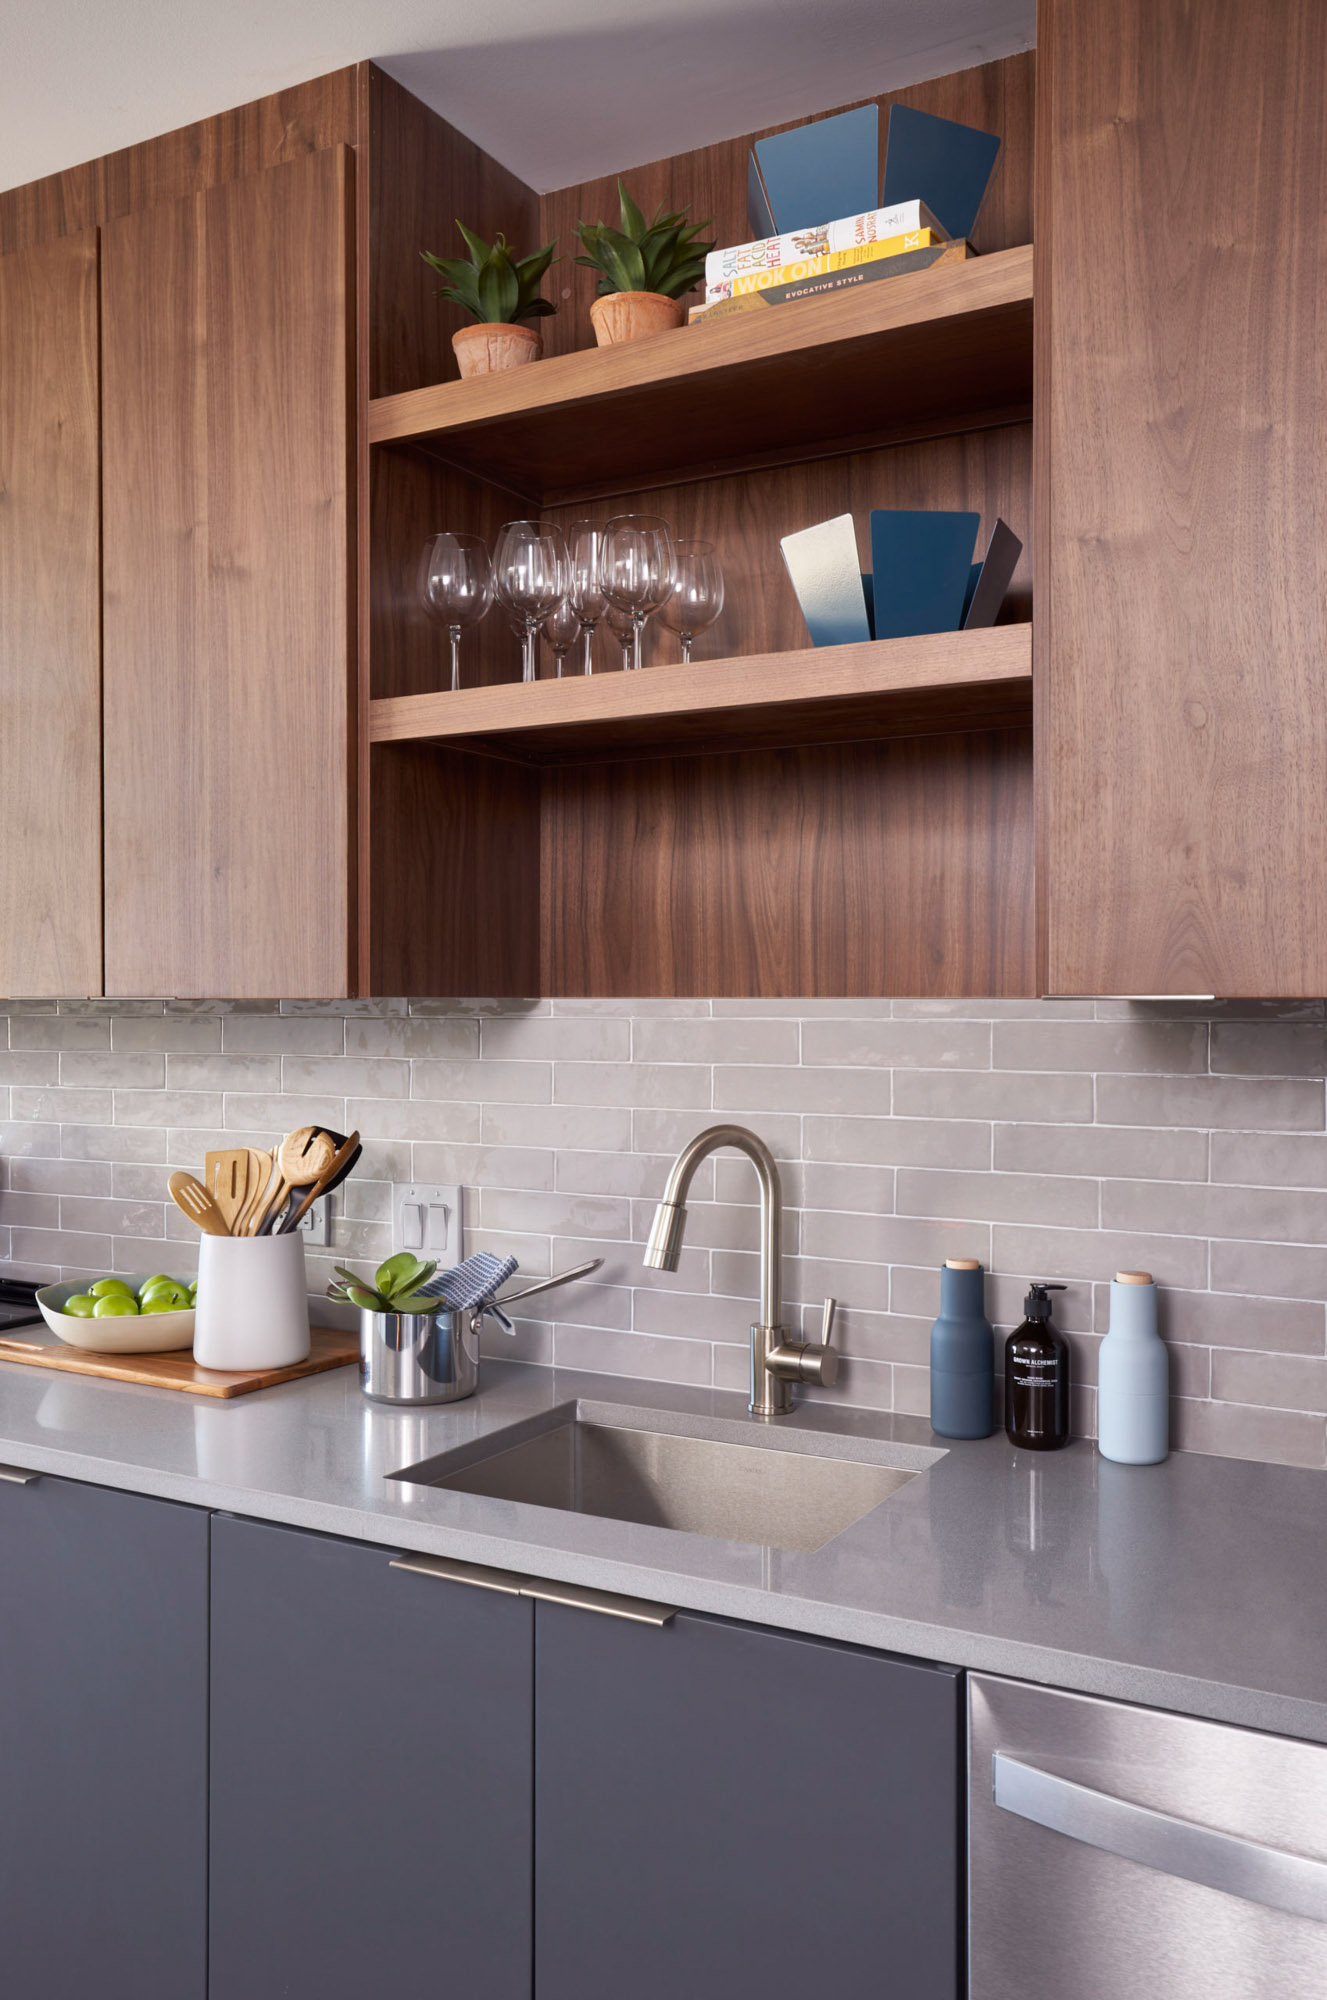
(1036, 1377)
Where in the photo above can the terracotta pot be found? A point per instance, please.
(632, 315)
(493, 344)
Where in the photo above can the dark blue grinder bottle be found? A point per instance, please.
(962, 1354)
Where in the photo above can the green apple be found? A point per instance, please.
(150, 1284)
(174, 1297)
(105, 1287)
(115, 1305)
(172, 1287)
(81, 1306)
(159, 1303)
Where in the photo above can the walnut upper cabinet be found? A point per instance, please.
(50, 670)
(228, 574)
(1181, 549)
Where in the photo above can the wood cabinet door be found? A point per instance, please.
(50, 622)
(371, 1773)
(722, 1810)
(226, 389)
(1181, 545)
(103, 1745)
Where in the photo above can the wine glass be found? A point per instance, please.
(585, 542)
(697, 597)
(458, 586)
(562, 628)
(623, 628)
(637, 569)
(530, 576)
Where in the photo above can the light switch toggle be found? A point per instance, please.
(428, 1221)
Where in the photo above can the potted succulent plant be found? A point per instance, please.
(500, 290)
(644, 269)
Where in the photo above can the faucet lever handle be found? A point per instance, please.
(827, 1324)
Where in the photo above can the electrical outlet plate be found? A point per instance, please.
(316, 1224)
(428, 1219)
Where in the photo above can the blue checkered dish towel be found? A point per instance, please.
(472, 1283)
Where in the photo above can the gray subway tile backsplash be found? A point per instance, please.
(1060, 1139)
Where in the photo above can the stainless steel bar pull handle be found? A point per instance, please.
(14, 1475)
(638, 1610)
(1294, 1883)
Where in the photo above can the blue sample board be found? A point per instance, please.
(824, 171)
(935, 160)
(826, 574)
(921, 564)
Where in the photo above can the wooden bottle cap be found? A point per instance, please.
(1133, 1277)
(962, 1264)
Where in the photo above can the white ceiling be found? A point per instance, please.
(557, 89)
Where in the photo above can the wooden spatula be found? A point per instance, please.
(188, 1193)
(262, 1166)
(226, 1177)
(335, 1172)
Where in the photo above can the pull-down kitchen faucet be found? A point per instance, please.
(776, 1361)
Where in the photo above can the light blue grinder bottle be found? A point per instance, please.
(962, 1354)
(1133, 1376)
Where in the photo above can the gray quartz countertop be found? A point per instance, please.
(1197, 1585)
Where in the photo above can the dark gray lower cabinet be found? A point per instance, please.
(723, 1811)
(103, 1745)
(371, 1776)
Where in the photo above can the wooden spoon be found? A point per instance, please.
(188, 1193)
(261, 1168)
(334, 1173)
(227, 1176)
(302, 1156)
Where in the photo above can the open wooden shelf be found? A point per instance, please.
(943, 682)
(933, 351)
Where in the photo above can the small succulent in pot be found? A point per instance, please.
(394, 1287)
(500, 290)
(644, 269)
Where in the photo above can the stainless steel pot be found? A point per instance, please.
(434, 1357)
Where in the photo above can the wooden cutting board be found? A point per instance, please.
(39, 1348)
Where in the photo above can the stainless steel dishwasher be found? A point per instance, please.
(1121, 1853)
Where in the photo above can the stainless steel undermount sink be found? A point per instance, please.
(625, 1465)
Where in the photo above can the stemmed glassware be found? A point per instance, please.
(585, 544)
(637, 570)
(531, 575)
(457, 582)
(562, 628)
(623, 628)
(697, 597)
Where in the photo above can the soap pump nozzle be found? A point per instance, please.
(1037, 1304)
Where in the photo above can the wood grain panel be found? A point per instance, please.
(265, 133)
(50, 622)
(893, 687)
(228, 588)
(1182, 235)
(898, 868)
(997, 96)
(455, 873)
(423, 173)
(928, 352)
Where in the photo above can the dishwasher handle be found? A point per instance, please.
(1293, 1883)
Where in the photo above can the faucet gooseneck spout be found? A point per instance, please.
(776, 1362)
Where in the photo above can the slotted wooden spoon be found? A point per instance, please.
(188, 1193)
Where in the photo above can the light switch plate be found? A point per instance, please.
(428, 1219)
(315, 1225)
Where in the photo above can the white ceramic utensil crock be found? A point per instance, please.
(253, 1305)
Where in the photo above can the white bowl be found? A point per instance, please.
(141, 1333)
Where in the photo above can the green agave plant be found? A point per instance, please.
(492, 284)
(658, 256)
(394, 1288)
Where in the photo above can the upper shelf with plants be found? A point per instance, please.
(931, 351)
(796, 349)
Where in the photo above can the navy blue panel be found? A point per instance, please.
(973, 575)
(992, 577)
(822, 172)
(935, 160)
(921, 562)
